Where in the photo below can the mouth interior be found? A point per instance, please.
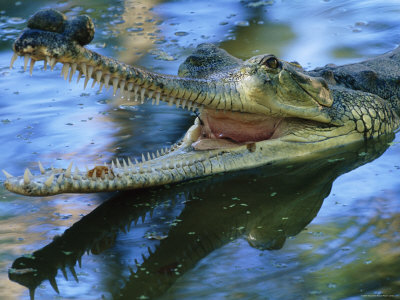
(222, 129)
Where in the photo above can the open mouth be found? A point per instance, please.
(230, 129)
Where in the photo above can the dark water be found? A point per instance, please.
(326, 227)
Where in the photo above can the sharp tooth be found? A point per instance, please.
(115, 85)
(49, 180)
(41, 168)
(171, 101)
(68, 171)
(162, 151)
(98, 78)
(157, 153)
(106, 79)
(129, 86)
(148, 156)
(76, 173)
(184, 103)
(64, 70)
(112, 165)
(189, 105)
(122, 87)
(8, 175)
(31, 66)
(45, 64)
(79, 76)
(64, 273)
(90, 71)
(143, 158)
(178, 101)
(86, 82)
(52, 63)
(88, 76)
(73, 70)
(13, 58)
(53, 283)
(158, 95)
(27, 175)
(194, 106)
(83, 68)
(153, 156)
(103, 174)
(98, 75)
(150, 94)
(26, 60)
(130, 162)
(135, 92)
(118, 164)
(142, 95)
(124, 163)
(136, 161)
(60, 178)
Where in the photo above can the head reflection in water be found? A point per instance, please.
(211, 214)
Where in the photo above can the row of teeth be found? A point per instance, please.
(128, 90)
(118, 168)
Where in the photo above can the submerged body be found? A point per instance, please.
(250, 112)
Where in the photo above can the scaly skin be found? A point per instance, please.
(253, 112)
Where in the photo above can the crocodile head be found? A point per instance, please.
(250, 112)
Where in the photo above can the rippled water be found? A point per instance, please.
(323, 228)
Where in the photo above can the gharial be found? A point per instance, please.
(251, 112)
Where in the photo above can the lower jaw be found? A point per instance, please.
(211, 144)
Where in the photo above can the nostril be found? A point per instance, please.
(80, 29)
(48, 20)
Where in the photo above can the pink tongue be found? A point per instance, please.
(240, 131)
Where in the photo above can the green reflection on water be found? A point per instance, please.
(345, 53)
(259, 39)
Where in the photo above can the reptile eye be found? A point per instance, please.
(271, 62)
